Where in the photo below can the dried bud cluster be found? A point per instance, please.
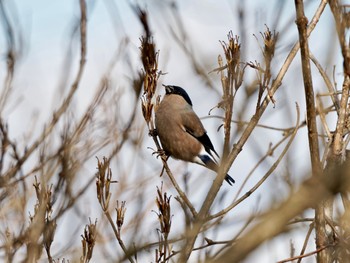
(41, 222)
(149, 58)
(234, 76)
(103, 182)
(120, 214)
(88, 242)
(164, 214)
(270, 40)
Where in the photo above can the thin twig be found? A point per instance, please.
(308, 234)
(317, 251)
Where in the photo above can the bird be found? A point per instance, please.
(181, 133)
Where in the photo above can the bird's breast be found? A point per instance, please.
(174, 139)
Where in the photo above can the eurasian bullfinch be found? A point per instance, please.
(181, 132)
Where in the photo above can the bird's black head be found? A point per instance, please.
(169, 89)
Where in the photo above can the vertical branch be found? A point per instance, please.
(231, 83)
(10, 56)
(164, 216)
(340, 20)
(337, 156)
(320, 222)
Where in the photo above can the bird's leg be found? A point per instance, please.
(164, 157)
(159, 152)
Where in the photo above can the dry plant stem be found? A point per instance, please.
(11, 56)
(241, 123)
(317, 251)
(66, 102)
(246, 133)
(209, 244)
(103, 183)
(320, 222)
(41, 224)
(88, 242)
(338, 142)
(311, 227)
(328, 83)
(321, 111)
(309, 93)
(164, 218)
(117, 235)
(340, 17)
(338, 148)
(149, 246)
(228, 98)
(260, 182)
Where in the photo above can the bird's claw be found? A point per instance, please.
(160, 153)
(153, 133)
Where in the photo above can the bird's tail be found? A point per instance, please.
(229, 179)
(209, 163)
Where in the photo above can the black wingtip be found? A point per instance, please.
(229, 180)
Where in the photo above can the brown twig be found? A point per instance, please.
(317, 251)
(330, 87)
(320, 223)
(308, 234)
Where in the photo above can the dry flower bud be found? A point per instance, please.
(120, 214)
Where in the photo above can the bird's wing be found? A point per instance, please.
(194, 126)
